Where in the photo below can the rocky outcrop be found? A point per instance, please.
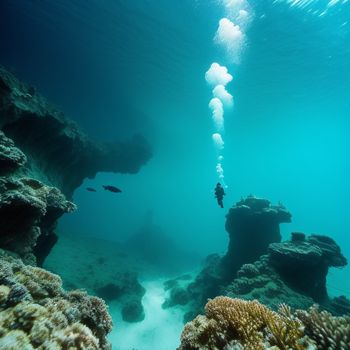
(59, 154)
(252, 224)
(303, 263)
(44, 157)
(29, 209)
(36, 313)
(259, 281)
(295, 270)
(129, 292)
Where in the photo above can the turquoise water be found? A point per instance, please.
(125, 67)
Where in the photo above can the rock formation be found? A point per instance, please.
(59, 154)
(295, 270)
(129, 292)
(259, 281)
(252, 224)
(44, 157)
(303, 263)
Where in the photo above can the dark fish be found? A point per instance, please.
(90, 189)
(112, 189)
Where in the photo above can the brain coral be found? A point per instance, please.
(36, 313)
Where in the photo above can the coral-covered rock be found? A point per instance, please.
(259, 281)
(11, 157)
(29, 211)
(36, 313)
(129, 292)
(252, 224)
(304, 265)
(59, 153)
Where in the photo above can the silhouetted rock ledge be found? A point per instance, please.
(58, 152)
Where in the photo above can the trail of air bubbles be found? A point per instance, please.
(230, 36)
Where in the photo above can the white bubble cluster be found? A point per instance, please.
(218, 75)
(231, 36)
(217, 109)
(218, 141)
(223, 95)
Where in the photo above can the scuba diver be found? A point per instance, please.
(219, 194)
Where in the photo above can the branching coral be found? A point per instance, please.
(329, 332)
(36, 313)
(247, 324)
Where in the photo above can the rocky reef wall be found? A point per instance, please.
(44, 157)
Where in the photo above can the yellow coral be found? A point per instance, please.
(249, 324)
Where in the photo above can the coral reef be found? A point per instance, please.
(295, 270)
(36, 313)
(261, 282)
(252, 224)
(59, 154)
(29, 209)
(249, 325)
(52, 160)
(303, 264)
(238, 324)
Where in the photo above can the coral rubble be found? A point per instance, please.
(36, 313)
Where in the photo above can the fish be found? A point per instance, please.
(90, 189)
(111, 188)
